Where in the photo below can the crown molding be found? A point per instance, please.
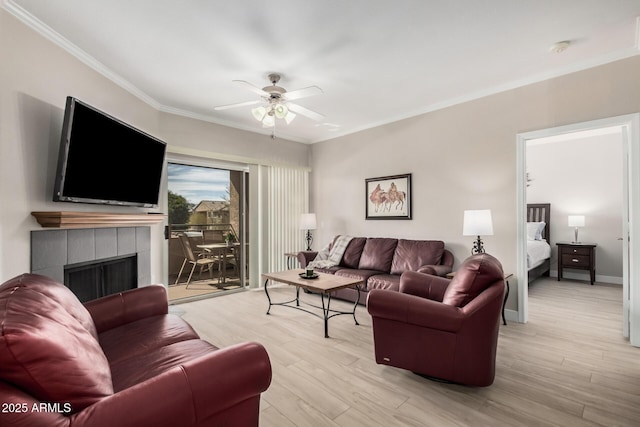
(47, 32)
(55, 37)
(41, 28)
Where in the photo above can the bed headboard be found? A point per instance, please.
(537, 212)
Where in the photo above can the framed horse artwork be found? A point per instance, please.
(388, 197)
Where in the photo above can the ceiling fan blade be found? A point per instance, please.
(240, 104)
(251, 87)
(305, 112)
(302, 93)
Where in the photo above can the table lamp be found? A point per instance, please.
(477, 223)
(308, 222)
(576, 221)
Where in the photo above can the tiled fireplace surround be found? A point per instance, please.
(51, 250)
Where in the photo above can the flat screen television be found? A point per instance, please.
(104, 160)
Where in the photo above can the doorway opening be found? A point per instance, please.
(206, 231)
(578, 175)
(630, 130)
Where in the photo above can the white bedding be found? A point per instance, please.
(537, 252)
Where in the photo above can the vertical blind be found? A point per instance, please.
(288, 198)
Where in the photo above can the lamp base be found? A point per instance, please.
(575, 240)
(309, 240)
(477, 247)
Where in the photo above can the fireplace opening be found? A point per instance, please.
(94, 279)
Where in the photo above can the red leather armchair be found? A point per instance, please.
(442, 329)
(122, 360)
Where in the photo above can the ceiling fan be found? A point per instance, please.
(276, 102)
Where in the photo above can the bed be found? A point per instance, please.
(538, 240)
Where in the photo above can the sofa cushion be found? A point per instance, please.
(410, 255)
(49, 288)
(351, 256)
(48, 344)
(127, 372)
(378, 254)
(328, 270)
(357, 274)
(144, 335)
(384, 281)
(475, 274)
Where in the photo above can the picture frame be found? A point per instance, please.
(388, 197)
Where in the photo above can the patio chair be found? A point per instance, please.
(189, 257)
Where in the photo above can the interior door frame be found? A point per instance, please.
(630, 124)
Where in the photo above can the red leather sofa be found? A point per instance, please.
(121, 360)
(381, 261)
(440, 328)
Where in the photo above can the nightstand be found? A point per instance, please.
(581, 256)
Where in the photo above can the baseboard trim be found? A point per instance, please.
(615, 280)
(511, 315)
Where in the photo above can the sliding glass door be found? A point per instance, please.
(207, 233)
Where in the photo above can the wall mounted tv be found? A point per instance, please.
(104, 160)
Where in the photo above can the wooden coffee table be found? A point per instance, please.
(324, 284)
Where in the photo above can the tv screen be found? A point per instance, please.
(104, 160)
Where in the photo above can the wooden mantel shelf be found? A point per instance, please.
(94, 219)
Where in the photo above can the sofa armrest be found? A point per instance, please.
(405, 308)
(305, 257)
(447, 258)
(125, 307)
(436, 270)
(423, 285)
(186, 395)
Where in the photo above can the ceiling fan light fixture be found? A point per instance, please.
(289, 117)
(281, 111)
(276, 103)
(269, 121)
(259, 113)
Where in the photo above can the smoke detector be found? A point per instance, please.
(559, 46)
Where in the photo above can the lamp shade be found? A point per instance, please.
(308, 221)
(268, 121)
(576, 220)
(289, 117)
(477, 223)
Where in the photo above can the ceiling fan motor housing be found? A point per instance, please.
(274, 90)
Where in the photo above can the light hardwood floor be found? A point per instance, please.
(569, 366)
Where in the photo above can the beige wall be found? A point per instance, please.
(462, 157)
(36, 76)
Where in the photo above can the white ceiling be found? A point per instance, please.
(377, 61)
